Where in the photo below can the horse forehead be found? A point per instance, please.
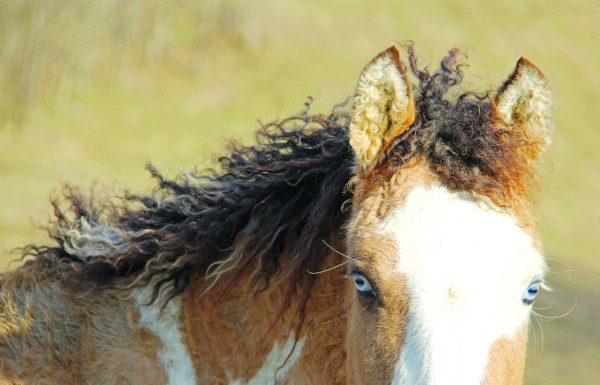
(438, 232)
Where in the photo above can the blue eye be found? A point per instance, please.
(362, 284)
(531, 293)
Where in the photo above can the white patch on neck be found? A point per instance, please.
(467, 265)
(173, 356)
(275, 367)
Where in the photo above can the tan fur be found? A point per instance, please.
(231, 332)
(375, 335)
(507, 360)
(50, 335)
(382, 192)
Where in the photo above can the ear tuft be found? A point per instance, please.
(383, 106)
(526, 101)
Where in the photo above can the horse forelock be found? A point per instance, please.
(462, 138)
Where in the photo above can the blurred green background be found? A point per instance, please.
(91, 90)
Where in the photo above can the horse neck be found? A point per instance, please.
(236, 334)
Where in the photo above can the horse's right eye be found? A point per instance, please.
(362, 284)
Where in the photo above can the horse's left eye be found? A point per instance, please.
(362, 284)
(531, 293)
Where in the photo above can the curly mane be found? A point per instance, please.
(285, 193)
(289, 184)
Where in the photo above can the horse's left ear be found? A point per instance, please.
(383, 106)
(525, 101)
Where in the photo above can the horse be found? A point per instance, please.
(390, 241)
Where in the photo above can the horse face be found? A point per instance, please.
(443, 269)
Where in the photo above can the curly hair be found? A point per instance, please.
(289, 185)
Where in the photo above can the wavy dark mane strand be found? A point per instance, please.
(290, 184)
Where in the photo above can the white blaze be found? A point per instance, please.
(467, 265)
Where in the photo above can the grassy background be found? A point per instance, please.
(91, 90)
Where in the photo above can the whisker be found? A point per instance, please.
(566, 270)
(338, 252)
(546, 287)
(532, 327)
(535, 317)
(550, 318)
(326, 270)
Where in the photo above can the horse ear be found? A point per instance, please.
(526, 101)
(383, 106)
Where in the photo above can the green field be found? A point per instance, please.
(91, 90)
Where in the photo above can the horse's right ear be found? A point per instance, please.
(383, 106)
